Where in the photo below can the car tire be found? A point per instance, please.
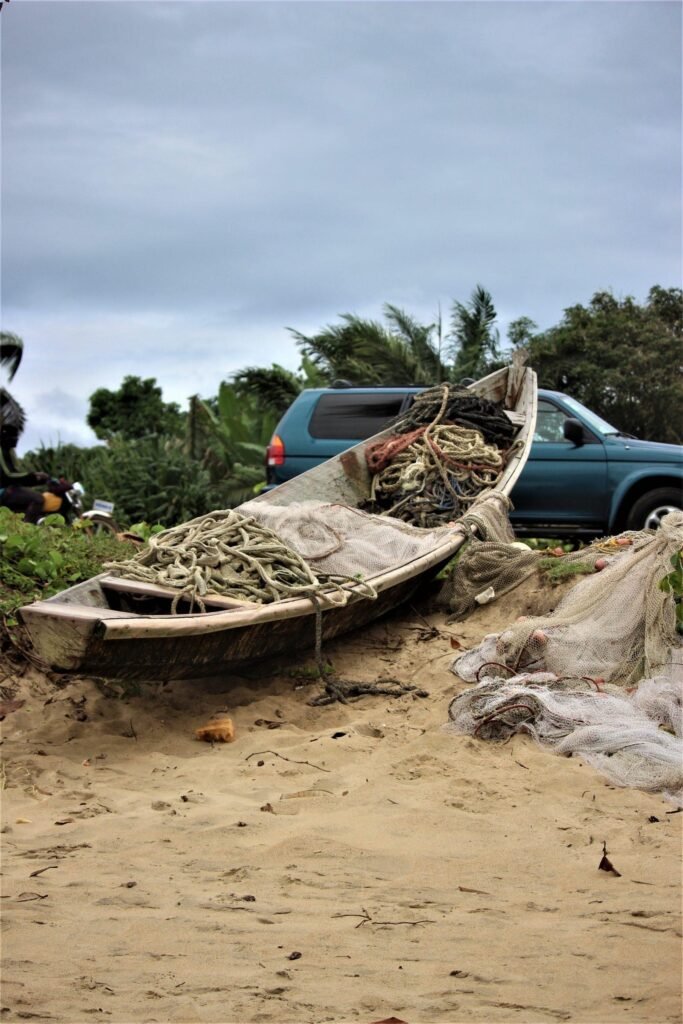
(648, 510)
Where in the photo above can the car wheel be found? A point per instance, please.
(648, 512)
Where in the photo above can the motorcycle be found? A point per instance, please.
(66, 499)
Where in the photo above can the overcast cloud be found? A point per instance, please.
(184, 180)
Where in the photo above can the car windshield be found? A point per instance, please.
(592, 418)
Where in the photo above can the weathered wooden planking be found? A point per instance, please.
(187, 656)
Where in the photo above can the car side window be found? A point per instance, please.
(353, 417)
(549, 423)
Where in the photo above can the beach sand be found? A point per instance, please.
(339, 863)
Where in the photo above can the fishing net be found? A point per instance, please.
(619, 734)
(601, 677)
(445, 450)
(491, 564)
(338, 539)
(617, 624)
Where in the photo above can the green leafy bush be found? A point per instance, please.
(39, 561)
(672, 583)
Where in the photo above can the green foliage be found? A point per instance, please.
(273, 387)
(548, 543)
(229, 438)
(521, 331)
(68, 460)
(621, 359)
(366, 352)
(136, 410)
(556, 569)
(144, 531)
(153, 479)
(39, 561)
(672, 583)
(11, 352)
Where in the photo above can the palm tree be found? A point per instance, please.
(366, 352)
(274, 387)
(474, 338)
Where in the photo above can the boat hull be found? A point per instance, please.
(200, 655)
(116, 629)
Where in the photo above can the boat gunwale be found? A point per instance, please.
(123, 626)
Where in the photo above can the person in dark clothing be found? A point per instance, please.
(15, 492)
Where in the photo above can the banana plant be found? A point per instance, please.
(229, 435)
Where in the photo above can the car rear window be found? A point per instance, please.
(353, 417)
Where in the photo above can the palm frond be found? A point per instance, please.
(11, 412)
(473, 338)
(419, 337)
(11, 352)
(274, 387)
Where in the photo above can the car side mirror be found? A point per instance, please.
(573, 431)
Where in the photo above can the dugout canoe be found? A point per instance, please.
(112, 628)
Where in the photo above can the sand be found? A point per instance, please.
(340, 863)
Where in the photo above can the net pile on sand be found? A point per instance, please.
(621, 735)
(617, 624)
(443, 452)
(569, 678)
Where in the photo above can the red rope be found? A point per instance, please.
(380, 454)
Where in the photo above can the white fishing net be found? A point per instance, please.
(340, 540)
(617, 624)
(601, 677)
(620, 734)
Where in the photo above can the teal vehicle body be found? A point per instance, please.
(583, 477)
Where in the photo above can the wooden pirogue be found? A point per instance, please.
(111, 627)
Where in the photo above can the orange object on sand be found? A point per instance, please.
(221, 730)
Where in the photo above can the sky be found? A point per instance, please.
(184, 180)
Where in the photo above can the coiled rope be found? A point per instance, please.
(436, 476)
(451, 403)
(435, 465)
(226, 553)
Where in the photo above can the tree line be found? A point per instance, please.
(159, 463)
